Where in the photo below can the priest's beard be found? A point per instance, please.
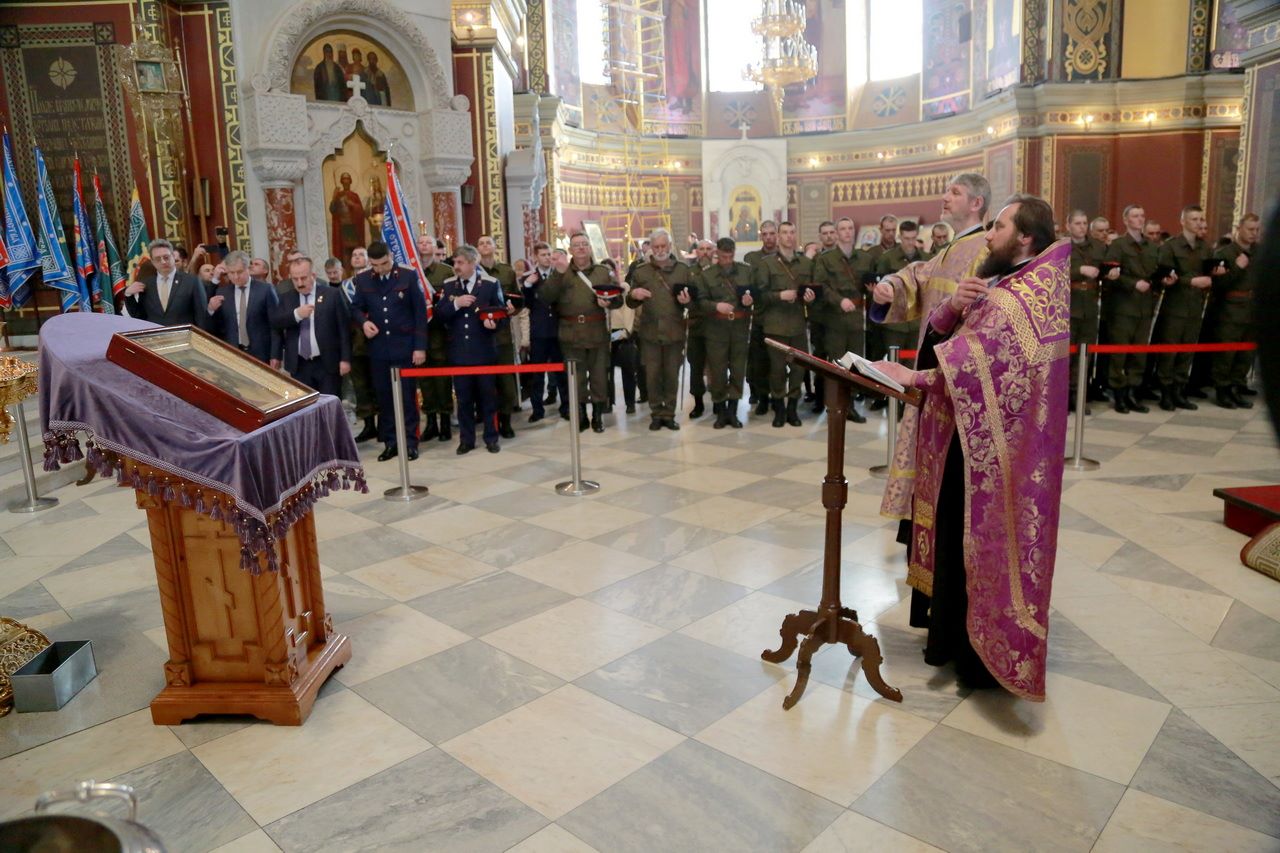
(1000, 260)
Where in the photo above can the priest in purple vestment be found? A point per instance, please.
(993, 366)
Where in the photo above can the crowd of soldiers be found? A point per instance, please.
(697, 319)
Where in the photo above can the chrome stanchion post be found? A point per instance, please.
(577, 486)
(33, 503)
(881, 472)
(403, 492)
(1077, 461)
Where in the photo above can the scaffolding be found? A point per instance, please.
(635, 51)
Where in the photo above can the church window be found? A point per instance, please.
(894, 38)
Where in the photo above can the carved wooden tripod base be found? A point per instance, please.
(838, 626)
(831, 622)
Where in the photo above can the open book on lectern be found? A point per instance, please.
(855, 363)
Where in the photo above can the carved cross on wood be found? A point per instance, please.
(357, 86)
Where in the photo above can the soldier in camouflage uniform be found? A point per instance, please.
(838, 270)
(1087, 273)
(1232, 316)
(757, 352)
(781, 280)
(584, 326)
(725, 300)
(902, 335)
(704, 257)
(1185, 301)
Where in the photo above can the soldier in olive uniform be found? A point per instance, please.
(781, 281)
(1232, 315)
(436, 391)
(1127, 306)
(725, 300)
(704, 256)
(876, 347)
(901, 335)
(838, 270)
(584, 327)
(757, 352)
(1087, 257)
(660, 291)
(508, 388)
(1184, 304)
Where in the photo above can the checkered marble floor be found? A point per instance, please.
(543, 673)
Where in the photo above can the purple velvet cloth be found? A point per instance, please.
(125, 414)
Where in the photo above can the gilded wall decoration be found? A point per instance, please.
(229, 80)
(1089, 34)
(535, 23)
(1198, 35)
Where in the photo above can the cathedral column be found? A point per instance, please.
(484, 43)
(282, 223)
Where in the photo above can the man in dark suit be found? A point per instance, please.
(391, 308)
(171, 297)
(544, 336)
(240, 311)
(473, 341)
(317, 331)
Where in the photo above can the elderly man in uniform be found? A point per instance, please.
(437, 393)
(704, 256)
(465, 299)
(392, 310)
(584, 327)
(508, 388)
(757, 352)
(1128, 304)
(784, 281)
(1232, 316)
(724, 298)
(1086, 271)
(660, 290)
(838, 271)
(1190, 256)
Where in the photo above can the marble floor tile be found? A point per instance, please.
(587, 519)
(21, 572)
(1082, 725)
(763, 462)
(384, 512)
(525, 502)
(538, 471)
(100, 752)
(748, 626)
(553, 839)
(1189, 766)
(63, 537)
(832, 743)
(928, 691)
(701, 454)
(747, 562)
(725, 514)
(348, 599)
(959, 792)
(32, 600)
(1200, 613)
(1202, 679)
(1073, 652)
(804, 448)
(449, 524)
(580, 568)
(802, 530)
(680, 682)
(574, 638)
(452, 692)
(333, 523)
(429, 802)
(1144, 822)
(167, 789)
(1134, 561)
(419, 573)
(710, 480)
(659, 539)
(855, 833)
(696, 798)
(1247, 730)
(668, 597)
(590, 742)
(469, 490)
(509, 544)
(254, 842)
(388, 639)
(489, 603)
(653, 499)
(648, 468)
(362, 549)
(867, 589)
(1244, 630)
(121, 547)
(773, 491)
(73, 589)
(273, 771)
(1123, 624)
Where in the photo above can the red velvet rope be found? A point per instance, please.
(479, 370)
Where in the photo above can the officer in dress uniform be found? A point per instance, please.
(508, 388)
(544, 336)
(473, 341)
(392, 310)
(437, 393)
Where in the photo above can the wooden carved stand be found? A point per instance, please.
(831, 622)
(239, 643)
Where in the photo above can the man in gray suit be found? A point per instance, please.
(169, 298)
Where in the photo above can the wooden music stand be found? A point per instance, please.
(832, 622)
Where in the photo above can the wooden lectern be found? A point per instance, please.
(239, 642)
(832, 622)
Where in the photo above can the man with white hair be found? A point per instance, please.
(660, 290)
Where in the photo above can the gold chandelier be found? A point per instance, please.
(788, 58)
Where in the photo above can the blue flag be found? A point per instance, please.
(24, 258)
(86, 280)
(398, 236)
(53, 259)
